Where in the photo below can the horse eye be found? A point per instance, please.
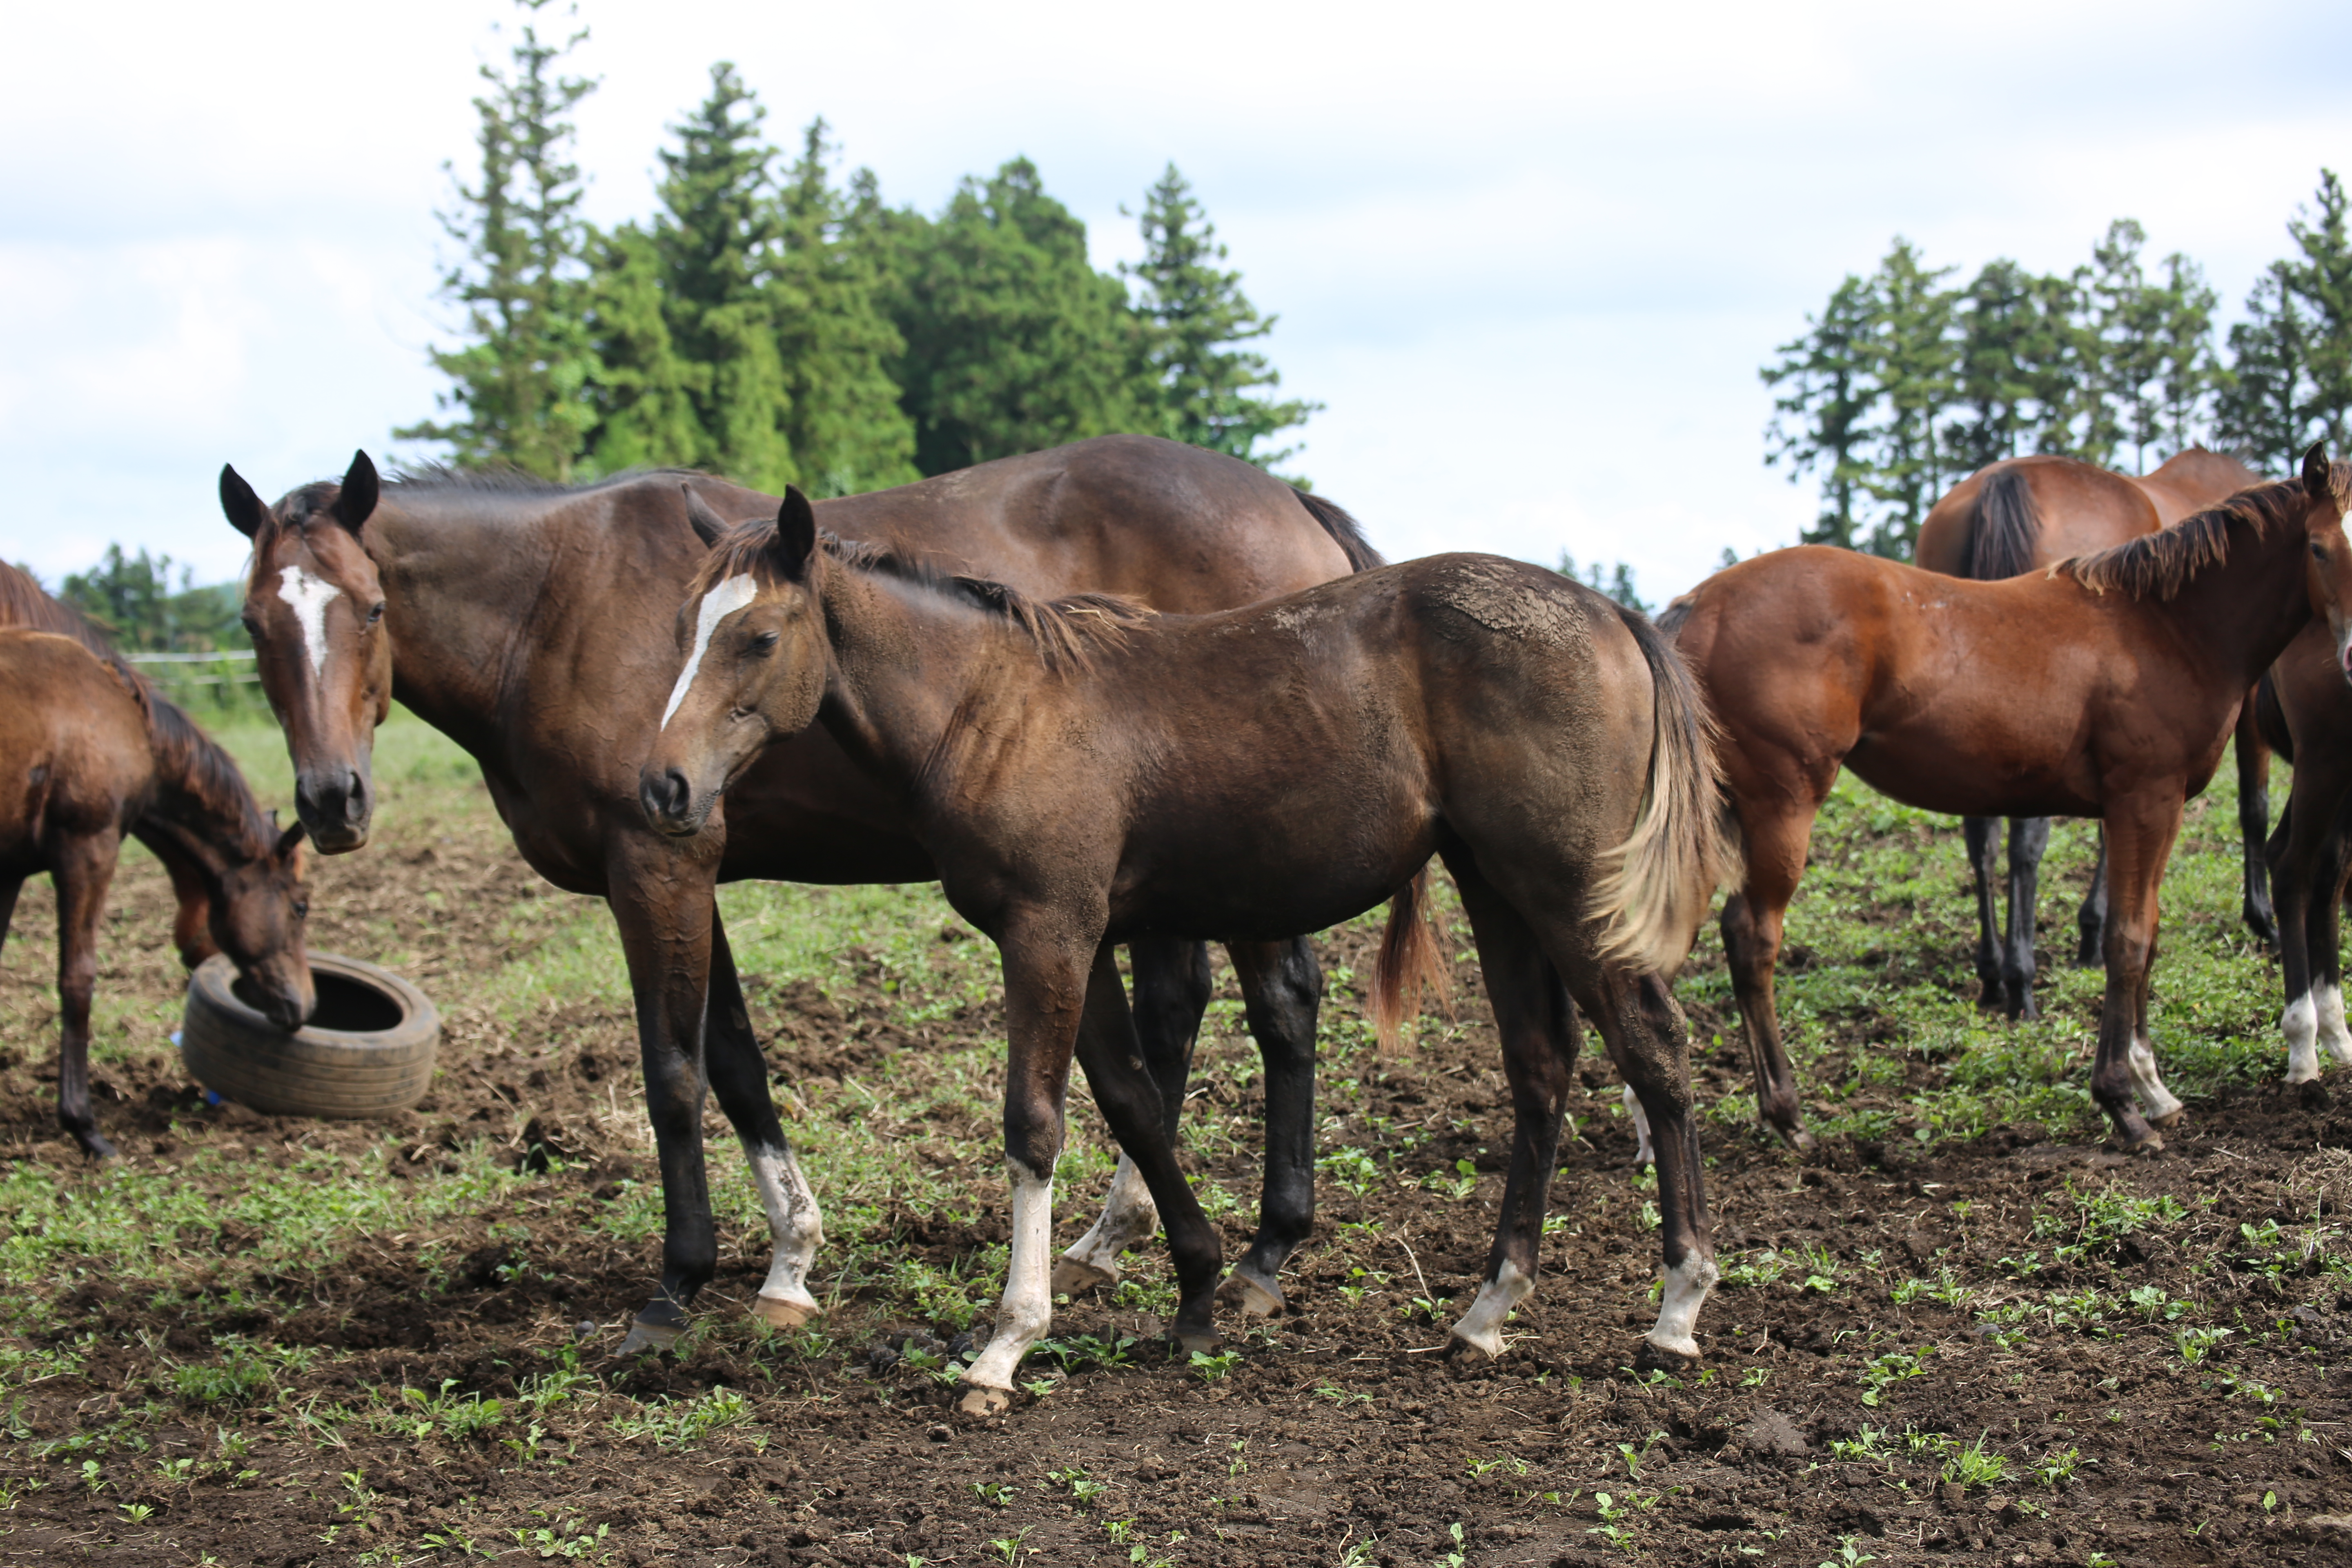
(301, 909)
(2319, 552)
(375, 612)
(765, 644)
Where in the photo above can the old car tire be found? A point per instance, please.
(367, 1051)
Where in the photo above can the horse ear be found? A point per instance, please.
(289, 838)
(708, 525)
(355, 501)
(795, 535)
(246, 512)
(2317, 479)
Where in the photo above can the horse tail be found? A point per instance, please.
(1410, 963)
(1657, 885)
(2005, 529)
(2270, 719)
(1345, 531)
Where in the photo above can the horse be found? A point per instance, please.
(1084, 772)
(94, 752)
(2026, 512)
(2104, 687)
(529, 622)
(2305, 708)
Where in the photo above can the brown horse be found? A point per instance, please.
(2104, 688)
(2029, 512)
(1083, 772)
(2306, 711)
(531, 623)
(93, 753)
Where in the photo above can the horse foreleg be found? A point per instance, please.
(2091, 919)
(664, 915)
(1047, 982)
(2254, 755)
(1282, 987)
(1752, 925)
(1539, 1029)
(2328, 959)
(80, 872)
(2139, 841)
(9, 888)
(2028, 837)
(1171, 993)
(1982, 835)
(2292, 854)
(192, 928)
(739, 1078)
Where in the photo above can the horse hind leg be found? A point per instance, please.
(2253, 824)
(1172, 994)
(1982, 835)
(1281, 988)
(2091, 919)
(2028, 836)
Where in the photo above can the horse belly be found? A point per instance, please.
(1300, 867)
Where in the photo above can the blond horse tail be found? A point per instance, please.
(1410, 963)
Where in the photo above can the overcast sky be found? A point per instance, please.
(1531, 257)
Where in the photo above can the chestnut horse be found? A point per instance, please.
(530, 622)
(2105, 687)
(1084, 773)
(2027, 513)
(93, 753)
(2306, 711)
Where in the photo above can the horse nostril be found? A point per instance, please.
(680, 792)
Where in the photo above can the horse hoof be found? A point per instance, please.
(1256, 1298)
(646, 1336)
(1799, 1139)
(1489, 1344)
(2151, 1145)
(1196, 1342)
(780, 1313)
(100, 1151)
(1654, 1357)
(2313, 1094)
(985, 1403)
(1075, 1278)
(2170, 1118)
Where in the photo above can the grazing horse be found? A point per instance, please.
(1084, 773)
(530, 622)
(2306, 711)
(2104, 688)
(92, 752)
(2028, 512)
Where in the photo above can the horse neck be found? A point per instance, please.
(910, 671)
(204, 820)
(458, 593)
(2246, 610)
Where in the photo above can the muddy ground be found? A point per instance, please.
(1957, 1299)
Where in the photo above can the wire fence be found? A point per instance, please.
(177, 678)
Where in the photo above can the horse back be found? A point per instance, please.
(74, 741)
(2047, 508)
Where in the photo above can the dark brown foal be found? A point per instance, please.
(1083, 772)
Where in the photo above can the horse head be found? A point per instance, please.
(2328, 488)
(315, 610)
(259, 921)
(752, 636)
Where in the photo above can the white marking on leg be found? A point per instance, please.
(2332, 1032)
(1647, 1153)
(717, 605)
(1130, 1218)
(1482, 1325)
(793, 1223)
(309, 597)
(1687, 1283)
(2156, 1100)
(1027, 1311)
(2300, 1024)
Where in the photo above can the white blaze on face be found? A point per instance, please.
(309, 597)
(718, 604)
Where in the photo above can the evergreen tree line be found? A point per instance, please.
(1906, 383)
(776, 324)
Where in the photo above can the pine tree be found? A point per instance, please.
(643, 391)
(2186, 370)
(1194, 312)
(519, 383)
(1014, 342)
(1915, 355)
(2321, 277)
(1820, 420)
(714, 238)
(845, 427)
(2010, 364)
(2127, 325)
(2259, 409)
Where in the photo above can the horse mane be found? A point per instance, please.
(183, 752)
(1064, 631)
(2160, 564)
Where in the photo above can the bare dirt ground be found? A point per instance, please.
(2021, 1348)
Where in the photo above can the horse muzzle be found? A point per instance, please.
(335, 805)
(667, 798)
